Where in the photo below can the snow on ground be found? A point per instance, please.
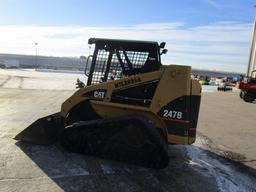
(228, 177)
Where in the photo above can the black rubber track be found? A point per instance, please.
(131, 139)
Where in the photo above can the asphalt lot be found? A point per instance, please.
(225, 123)
(231, 124)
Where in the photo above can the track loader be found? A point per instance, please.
(130, 110)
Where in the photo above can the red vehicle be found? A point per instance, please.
(248, 83)
(248, 88)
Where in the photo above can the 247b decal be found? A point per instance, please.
(172, 114)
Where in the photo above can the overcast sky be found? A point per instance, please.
(207, 34)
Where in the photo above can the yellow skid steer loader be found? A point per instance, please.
(130, 110)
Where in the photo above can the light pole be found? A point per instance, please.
(36, 55)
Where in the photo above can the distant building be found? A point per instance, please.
(43, 62)
(9, 63)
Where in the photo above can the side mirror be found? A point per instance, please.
(87, 66)
(162, 45)
(164, 51)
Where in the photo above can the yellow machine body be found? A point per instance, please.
(173, 108)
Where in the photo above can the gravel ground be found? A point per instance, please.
(203, 166)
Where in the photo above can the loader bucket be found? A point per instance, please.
(43, 131)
